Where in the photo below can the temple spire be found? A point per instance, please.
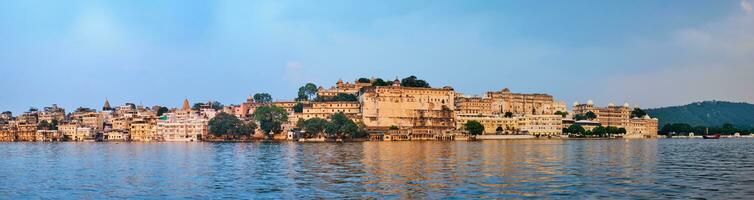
(186, 104)
(107, 105)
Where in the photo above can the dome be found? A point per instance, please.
(647, 117)
(590, 102)
(576, 103)
(611, 104)
(625, 104)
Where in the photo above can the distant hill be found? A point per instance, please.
(707, 113)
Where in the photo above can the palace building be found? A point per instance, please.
(523, 104)
(620, 117)
(429, 109)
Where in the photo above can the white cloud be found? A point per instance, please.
(746, 6)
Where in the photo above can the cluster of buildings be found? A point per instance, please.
(390, 112)
(128, 122)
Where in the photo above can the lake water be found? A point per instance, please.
(665, 168)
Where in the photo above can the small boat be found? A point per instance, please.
(711, 136)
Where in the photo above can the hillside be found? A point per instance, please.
(707, 113)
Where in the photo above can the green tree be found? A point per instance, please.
(576, 129)
(363, 80)
(44, 125)
(307, 92)
(345, 97)
(508, 114)
(728, 129)
(262, 98)
(298, 108)
(611, 130)
(590, 115)
(313, 126)
(227, 124)
(474, 127)
(638, 112)
(393, 127)
(340, 126)
(622, 131)
(379, 82)
(216, 105)
(162, 110)
(599, 131)
(197, 106)
(561, 113)
(412, 81)
(271, 118)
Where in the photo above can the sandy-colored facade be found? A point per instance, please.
(536, 125)
(342, 88)
(53, 113)
(504, 101)
(620, 117)
(144, 130)
(473, 106)
(418, 108)
(324, 110)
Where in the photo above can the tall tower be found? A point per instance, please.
(186, 105)
(106, 106)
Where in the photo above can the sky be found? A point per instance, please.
(644, 52)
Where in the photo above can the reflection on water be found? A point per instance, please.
(403, 170)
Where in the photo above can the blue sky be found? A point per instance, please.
(650, 53)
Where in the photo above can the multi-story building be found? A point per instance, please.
(536, 125)
(473, 106)
(83, 134)
(53, 113)
(542, 125)
(494, 124)
(8, 133)
(325, 110)
(116, 135)
(68, 130)
(26, 131)
(523, 104)
(407, 107)
(644, 127)
(144, 130)
(342, 88)
(184, 125)
(48, 136)
(619, 117)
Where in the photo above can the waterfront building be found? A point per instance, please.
(8, 133)
(93, 120)
(68, 130)
(183, 125)
(644, 127)
(144, 130)
(536, 125)
(493, 124)
(48, 136)
(504, 101)
(473, 106)
(429, 109)
(26, 131)
(116, 135)
(542, 125)
(324, 110)
(620, 117)
(53, 113)
(83, 134)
